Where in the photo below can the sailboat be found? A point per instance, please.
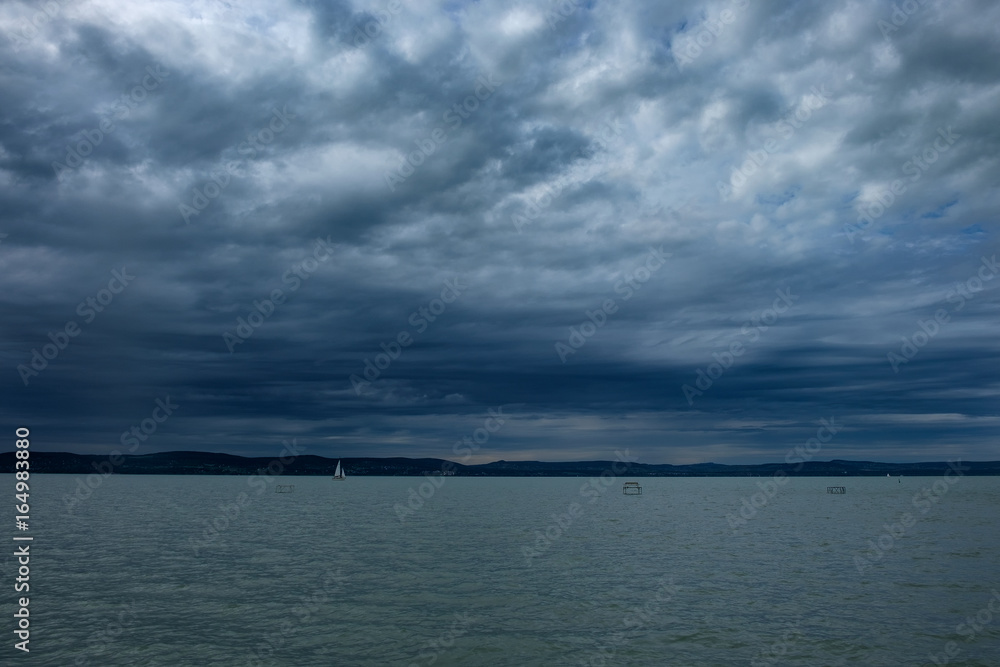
(339, 474)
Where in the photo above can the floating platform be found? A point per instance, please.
(632, 489)
(284, 488)
(836, 489)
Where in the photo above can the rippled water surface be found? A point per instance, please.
(330, 575)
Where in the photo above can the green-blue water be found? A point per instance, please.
(330, 575)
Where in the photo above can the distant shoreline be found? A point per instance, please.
(209, 463)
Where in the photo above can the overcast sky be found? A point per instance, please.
(784, 190)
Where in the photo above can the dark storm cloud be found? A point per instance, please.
(533, 154)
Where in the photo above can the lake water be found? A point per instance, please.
(330, 575)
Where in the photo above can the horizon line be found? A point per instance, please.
(195, 451)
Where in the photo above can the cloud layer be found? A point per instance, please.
(693, 230)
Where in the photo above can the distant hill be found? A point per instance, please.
(209, 463)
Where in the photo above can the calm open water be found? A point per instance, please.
(330, 575)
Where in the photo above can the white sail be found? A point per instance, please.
(339, 474)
